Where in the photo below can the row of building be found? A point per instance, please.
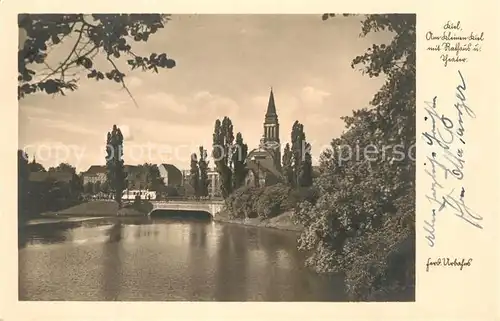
(171, 175)
(263, 164)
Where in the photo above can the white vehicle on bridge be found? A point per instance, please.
(143, 194)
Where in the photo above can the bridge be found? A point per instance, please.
(211, 206)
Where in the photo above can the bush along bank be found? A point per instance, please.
(363, 223)
(269, 206)
(138, 208)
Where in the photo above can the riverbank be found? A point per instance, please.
(281, 222)
(104, 208)
(55, 220)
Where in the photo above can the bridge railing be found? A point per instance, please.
(189, 198)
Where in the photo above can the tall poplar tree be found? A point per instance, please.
(300, 157)
(239, 155)
(114, 163)
(203, 166)
(194, 175)
(223, 138)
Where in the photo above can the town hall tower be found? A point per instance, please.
(272, 132)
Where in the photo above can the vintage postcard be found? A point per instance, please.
(202, 161)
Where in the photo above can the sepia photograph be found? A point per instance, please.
(216, 157)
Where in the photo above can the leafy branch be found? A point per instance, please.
(109, 34)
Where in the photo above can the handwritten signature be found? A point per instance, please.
(444, 132)
(447, 262)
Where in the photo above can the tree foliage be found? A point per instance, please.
(23, 173)
(266, 201)
(149, 175)
(63, 168)
(88, 188)
(97, 187)
(287, 167)
(297, 159)
(203, 166)
(76, 183)
(105, 188)
(115, 173)
(364, 220)
(35, 167)
(306, 170)
(45, 192)
(223, 139)
(263, 202)
(194, 175)
(229, 156)
(111, 35)
(239, 156)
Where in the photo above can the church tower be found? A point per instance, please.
(272, 131)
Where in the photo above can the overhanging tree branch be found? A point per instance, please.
(111, 33)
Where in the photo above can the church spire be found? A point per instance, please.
(272, 130)
(271, 107)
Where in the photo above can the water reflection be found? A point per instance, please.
(198, 262)
(164, 259)
(44, 234)
(112, 263)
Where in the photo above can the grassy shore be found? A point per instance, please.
(104, 208)
(282, 222)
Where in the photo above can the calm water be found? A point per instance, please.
(160, 260)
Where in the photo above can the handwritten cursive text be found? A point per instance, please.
(447, 160)
(447, 262)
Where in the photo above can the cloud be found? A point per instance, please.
(318, 119)
(110, 100)
(110, 105)
(52, 153)
(260, 100)
(311, 95)
(170, 132)
(165, 101)
(214, 105)
(61, 125)
(126, 132)
(203, 95)
(133, 82)
(36, 110)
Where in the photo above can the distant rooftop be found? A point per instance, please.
(170, 167)
(96, 169)
(101, 169)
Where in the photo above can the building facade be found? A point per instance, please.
(95, 173)
(185, 176)
(214, 183)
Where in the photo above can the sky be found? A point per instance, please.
(225, 66)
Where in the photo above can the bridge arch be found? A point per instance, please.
(180, 214)
(187, 207)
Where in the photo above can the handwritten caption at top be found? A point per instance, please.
(454, 43)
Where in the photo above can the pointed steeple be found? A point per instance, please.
(271, 107)
(272, 130)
